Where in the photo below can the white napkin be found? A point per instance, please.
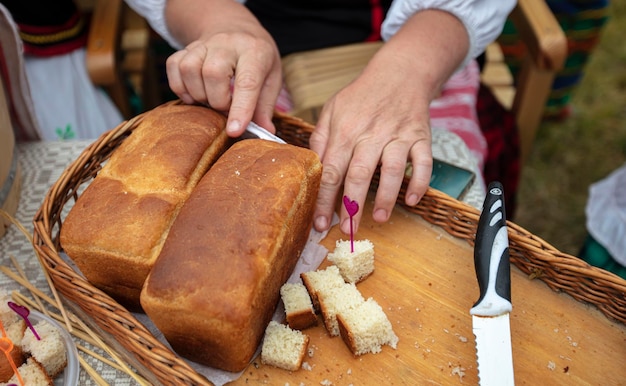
(606, 213)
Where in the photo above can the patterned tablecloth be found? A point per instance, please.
(42, 163)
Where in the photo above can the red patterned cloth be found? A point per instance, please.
(455, 110)
(503, 159)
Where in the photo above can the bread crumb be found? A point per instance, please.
(349, 372)
(306, 366)
(571, 342)
(458, 370)
(551, 365)
(326, 382)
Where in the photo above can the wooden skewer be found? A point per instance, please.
(28, 285)
(45, 272)
(92, 373)
(19, 270)
(82, 331)
(112, 353)
(77, 332)
(103, 359)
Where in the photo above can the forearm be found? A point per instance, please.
(190, 20)
(425, 51)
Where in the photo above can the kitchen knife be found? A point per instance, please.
(490, 314)
(255, 131)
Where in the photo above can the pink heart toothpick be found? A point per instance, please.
(352, 207)
(24, 312)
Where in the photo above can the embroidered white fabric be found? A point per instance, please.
(606, 213)
(53, 96)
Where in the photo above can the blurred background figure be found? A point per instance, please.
(43, 68)
(605, 246)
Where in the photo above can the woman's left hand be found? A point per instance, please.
(377, 120)
(381, 119)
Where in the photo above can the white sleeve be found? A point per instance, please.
(154, 12)
(483, 19)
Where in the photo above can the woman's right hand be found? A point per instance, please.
(233, 65)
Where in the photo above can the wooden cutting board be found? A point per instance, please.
(424, 280)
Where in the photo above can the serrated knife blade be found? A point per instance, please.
(490, 314)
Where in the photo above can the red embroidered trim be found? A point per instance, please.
(50, 29)
(377, 21)
(54, 40)
(55, 49)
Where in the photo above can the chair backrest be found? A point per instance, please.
(119, 56)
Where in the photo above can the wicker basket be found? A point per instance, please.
(533, 256)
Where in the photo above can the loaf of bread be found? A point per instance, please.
(216, 283)
(117, 227)
(354, 265)
(283, 347)
(298, 307)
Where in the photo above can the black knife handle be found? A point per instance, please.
(491, 256)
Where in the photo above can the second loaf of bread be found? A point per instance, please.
(216, 283)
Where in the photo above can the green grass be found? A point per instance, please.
(567, 157)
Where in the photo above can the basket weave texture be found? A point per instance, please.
(532, 255)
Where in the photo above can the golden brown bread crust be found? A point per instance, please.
(235, 242)
(312, 291)
(346, 335)
(301, 320)
(118, 225)
(6, 371)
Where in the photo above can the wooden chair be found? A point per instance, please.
(314, 76)
(119, 55)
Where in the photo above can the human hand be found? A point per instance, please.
(380, 119)
(238, 72)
